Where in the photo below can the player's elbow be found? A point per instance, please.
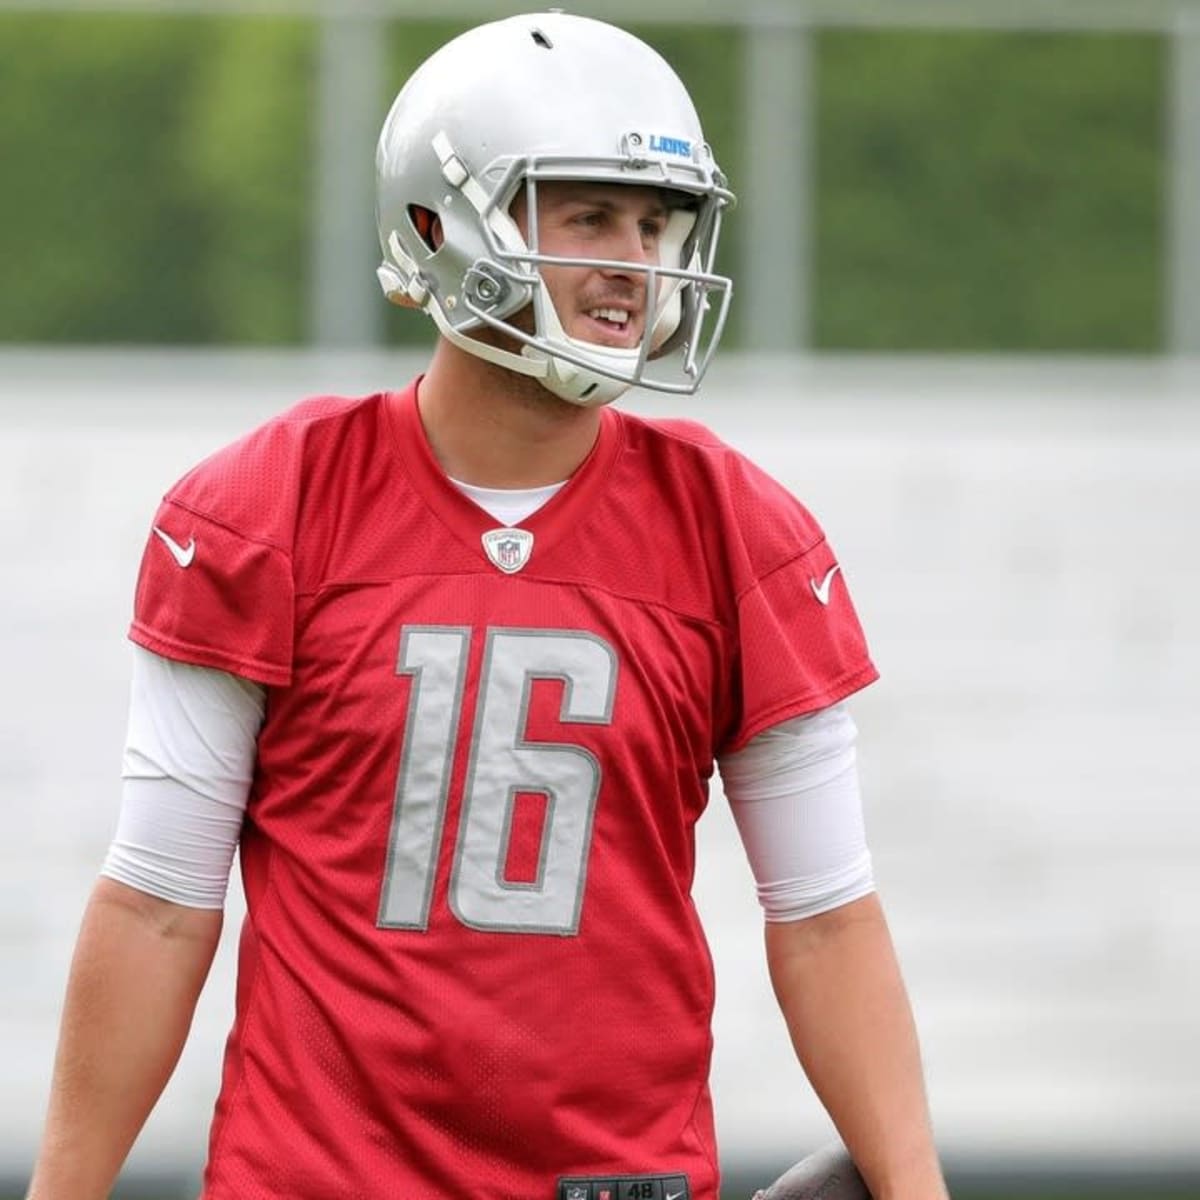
(164, 918)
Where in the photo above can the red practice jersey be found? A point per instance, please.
(471, 964)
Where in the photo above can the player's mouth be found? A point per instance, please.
(610, 326)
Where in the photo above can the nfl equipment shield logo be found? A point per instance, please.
(509, 549)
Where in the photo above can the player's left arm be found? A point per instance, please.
(795, 796)
(838, 983)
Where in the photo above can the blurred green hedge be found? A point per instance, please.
(984, 191)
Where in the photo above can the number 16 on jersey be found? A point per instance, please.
(502, 764)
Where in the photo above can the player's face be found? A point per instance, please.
(603, 305)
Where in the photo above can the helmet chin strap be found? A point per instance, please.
(578, 385)
(568, 380)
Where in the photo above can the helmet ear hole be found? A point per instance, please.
(428, 226)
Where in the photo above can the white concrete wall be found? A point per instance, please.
(1022, 542)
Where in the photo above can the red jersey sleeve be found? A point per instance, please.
(210, 596)
(216, 585)
(800, 646)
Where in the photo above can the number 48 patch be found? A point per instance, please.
(626, 1187)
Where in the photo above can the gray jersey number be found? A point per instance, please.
(502, 765)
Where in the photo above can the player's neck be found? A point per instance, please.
(493, 428)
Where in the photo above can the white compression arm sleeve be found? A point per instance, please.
(795, 797)
(188, 764)
(189, 761)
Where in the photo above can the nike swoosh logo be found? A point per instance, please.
(673, 1195)
(821, 590)
(183, 555)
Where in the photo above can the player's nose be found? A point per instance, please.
(630, 243)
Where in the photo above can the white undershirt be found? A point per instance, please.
(509, 506)
(190, 753)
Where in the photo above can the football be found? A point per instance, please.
(826, 1174)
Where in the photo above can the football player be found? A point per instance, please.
(451, 668)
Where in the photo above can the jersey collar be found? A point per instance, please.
(565, 511)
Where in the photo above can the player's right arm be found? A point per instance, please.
(154, 919)
(139, 964)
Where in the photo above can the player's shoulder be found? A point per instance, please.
(309, 422)
(680, 432)
(266, 465)
(321, 410)
(678, 445)
(757, 506)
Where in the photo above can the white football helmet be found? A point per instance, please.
(549, 97)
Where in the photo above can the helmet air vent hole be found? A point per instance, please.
(541, 39)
